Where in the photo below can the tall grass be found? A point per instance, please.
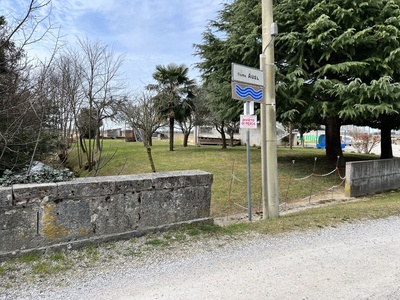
(229, 169)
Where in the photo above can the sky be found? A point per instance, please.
(146, 32)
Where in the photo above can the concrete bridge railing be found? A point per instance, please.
(92, 210)
(372, 176)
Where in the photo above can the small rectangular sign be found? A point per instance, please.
(247, 92)
(245, 74)
(249, 122)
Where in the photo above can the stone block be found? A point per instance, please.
(133, 183)
(177, 179)
(66, 220)
(158, 208)
(193, 202)
(5, 196)
(115, 214)
(18, 228)
(86, 187)
(34, 193)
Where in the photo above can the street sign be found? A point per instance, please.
(247, 92)
(249, 122)
(249, 75)
(248, 85)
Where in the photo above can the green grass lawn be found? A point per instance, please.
(229, 168)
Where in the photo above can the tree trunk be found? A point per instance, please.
(153, 168)
(290, 135)
(98, 141)
(186, 138)
(82, 144)
(302, 138)
(148, 150)
(333, 145)
(386, 140)
(231, 136)
(223, 137)
(221, 130)
(171, 134)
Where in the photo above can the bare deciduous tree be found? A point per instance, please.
(141, 114)
(103, 91)
(24, 120)
(31, 26)
(68, 102)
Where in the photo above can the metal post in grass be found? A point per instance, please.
(247, 112)
(312, 179)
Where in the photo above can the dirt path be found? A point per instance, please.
(316, 200)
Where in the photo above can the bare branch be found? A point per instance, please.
(33, 6)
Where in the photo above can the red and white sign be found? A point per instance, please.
(248, 121)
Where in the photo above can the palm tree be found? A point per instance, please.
(173, 85)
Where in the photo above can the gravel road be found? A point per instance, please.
(352, 261)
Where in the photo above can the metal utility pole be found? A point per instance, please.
(268, 113)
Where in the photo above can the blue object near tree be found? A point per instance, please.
(322, 142)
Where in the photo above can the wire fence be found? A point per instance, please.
(313, 187)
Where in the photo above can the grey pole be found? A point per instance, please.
(248, 165)
(268, 34)
(264, 179)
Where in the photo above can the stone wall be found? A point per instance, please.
(92, 210)
(372, 176)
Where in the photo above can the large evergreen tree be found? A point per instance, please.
(337, 61)
(343, 58)
(233, 37)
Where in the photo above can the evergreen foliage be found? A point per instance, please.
(342, 56)
(233, 37)
(337, 62)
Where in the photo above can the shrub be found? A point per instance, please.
(41, 176)
(364, 143)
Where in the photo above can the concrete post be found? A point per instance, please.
(270, 109)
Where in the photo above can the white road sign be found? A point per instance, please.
(248, 121)
(249, 75)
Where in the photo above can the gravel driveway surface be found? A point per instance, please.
(352, 261)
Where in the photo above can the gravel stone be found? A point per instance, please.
(351, 261)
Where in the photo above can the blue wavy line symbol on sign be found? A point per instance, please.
(249, 92)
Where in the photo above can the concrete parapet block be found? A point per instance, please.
(373, 176)
(37, 216)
